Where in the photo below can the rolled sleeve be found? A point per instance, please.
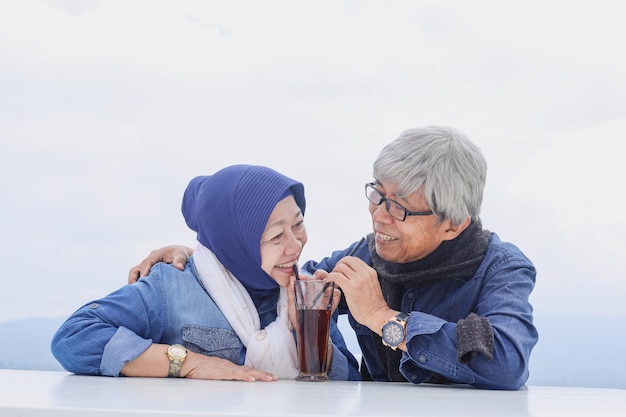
(425, 355)
(124, 346)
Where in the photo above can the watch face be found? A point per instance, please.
(177, 351)
(393, 333)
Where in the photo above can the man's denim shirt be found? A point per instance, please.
(499, 291)
(168, 306)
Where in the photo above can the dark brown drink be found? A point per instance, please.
(313, 348)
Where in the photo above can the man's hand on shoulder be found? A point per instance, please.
(173, 254)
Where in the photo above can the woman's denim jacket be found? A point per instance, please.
(168, 306)
(499, 291)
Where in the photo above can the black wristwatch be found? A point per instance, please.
(394, 330)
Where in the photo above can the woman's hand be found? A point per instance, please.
(291, 303)
(198, 366)
(337, 294)
(173, 254)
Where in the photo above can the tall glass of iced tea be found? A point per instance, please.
(314, 299)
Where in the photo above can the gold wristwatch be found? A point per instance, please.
(176, 354)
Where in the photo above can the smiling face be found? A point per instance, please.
(412, 239)
(282, 240)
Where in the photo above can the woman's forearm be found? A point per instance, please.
(153, 362)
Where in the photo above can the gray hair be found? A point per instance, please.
(442, 163)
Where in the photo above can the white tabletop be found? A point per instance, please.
(37, 393)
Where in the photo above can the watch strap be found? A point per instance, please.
(174, 371)
(401, 317)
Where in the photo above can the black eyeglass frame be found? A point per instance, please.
(388, 202)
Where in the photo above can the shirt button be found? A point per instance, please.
(261, 335)
(93, 305)
(411, 295)
(422, 358)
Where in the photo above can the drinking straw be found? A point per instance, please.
(353, 251)
(296, 273)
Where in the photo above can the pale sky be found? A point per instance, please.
(108, 109)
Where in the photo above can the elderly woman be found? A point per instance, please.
(433, 297)
(225, 315)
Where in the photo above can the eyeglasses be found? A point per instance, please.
(395, 209)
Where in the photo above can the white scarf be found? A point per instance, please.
(272, 349)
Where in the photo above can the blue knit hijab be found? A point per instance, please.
(229, 211)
